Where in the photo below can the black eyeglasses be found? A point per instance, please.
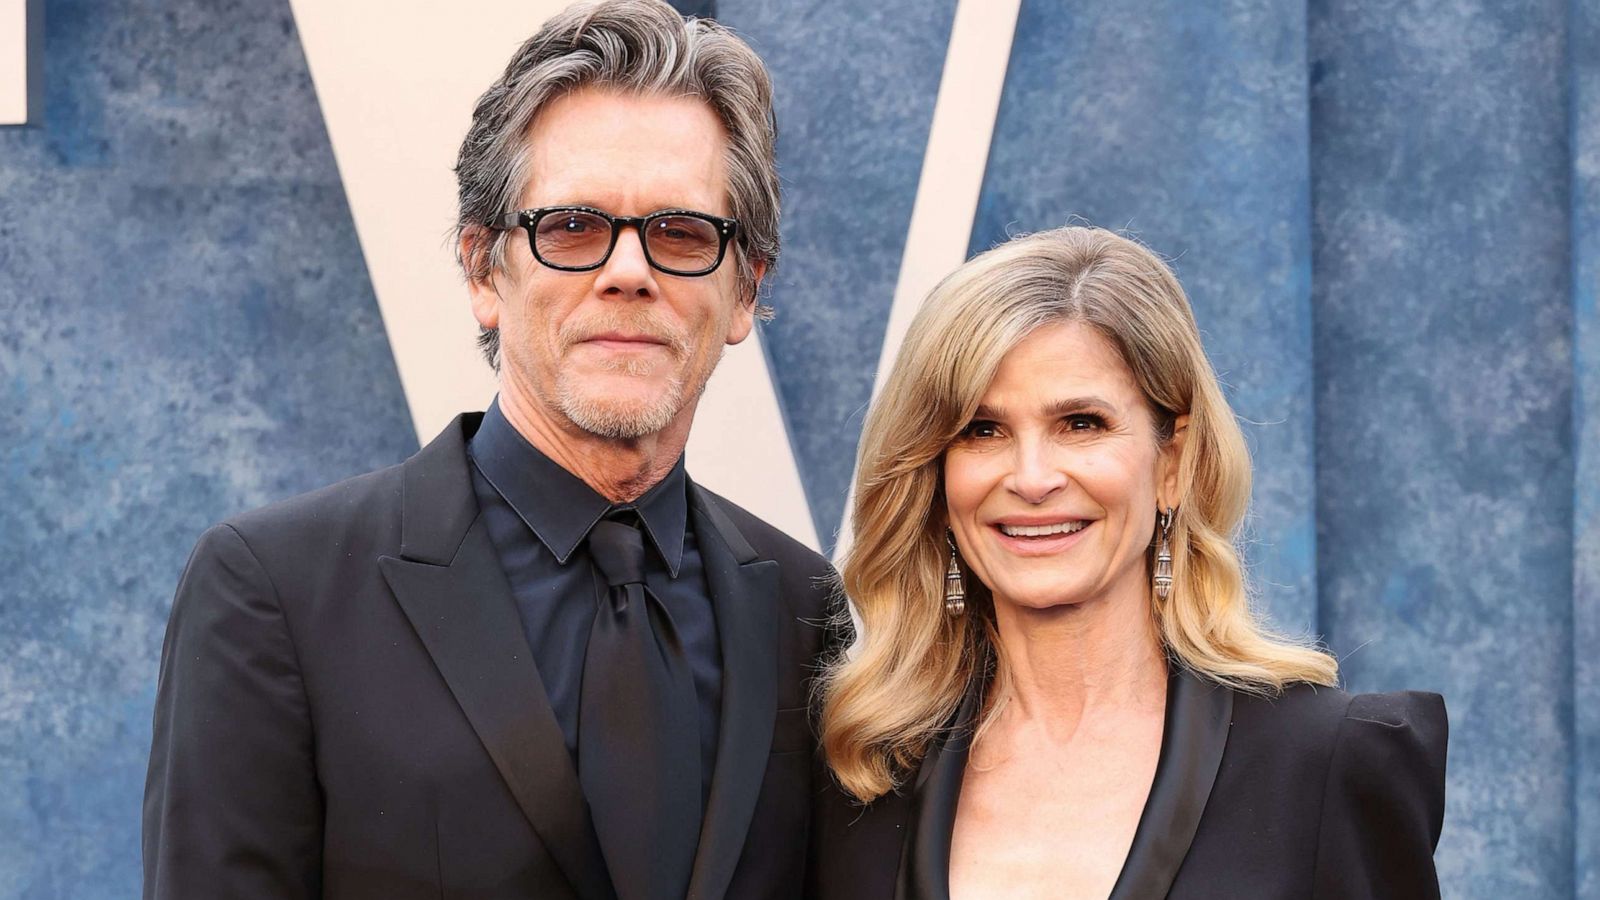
(580, 238)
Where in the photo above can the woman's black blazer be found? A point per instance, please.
(1313, 793)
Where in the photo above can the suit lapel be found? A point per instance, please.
(1198, 716)
(925, 852)
(1193, 738)
(449, 582)
(744, 594)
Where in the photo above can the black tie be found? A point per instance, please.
(638, 729)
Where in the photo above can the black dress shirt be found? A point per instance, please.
(538, 516)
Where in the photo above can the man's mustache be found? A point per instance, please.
(574, 332)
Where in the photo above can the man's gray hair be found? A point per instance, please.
(637, 46)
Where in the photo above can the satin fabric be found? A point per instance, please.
(1192, 740)
(1311, 792)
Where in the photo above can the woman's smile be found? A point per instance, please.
(1040, 539)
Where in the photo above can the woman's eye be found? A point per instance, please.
(1085, 422)
(980, 429)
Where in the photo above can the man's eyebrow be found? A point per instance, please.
(1061, 407)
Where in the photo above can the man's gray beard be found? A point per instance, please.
(607, 418)
(618, 421)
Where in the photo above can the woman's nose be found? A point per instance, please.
(1036, 473)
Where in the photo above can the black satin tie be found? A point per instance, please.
(638, 729)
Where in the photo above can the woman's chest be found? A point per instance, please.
(1050, 825)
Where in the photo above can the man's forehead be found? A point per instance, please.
(600, 147)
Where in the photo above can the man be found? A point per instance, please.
(535, 659)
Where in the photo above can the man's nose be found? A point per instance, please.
(627, 273)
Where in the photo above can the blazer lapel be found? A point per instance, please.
(1194, 735)
(1198, 716)
(925, 853)
(449, 582)
(744, 594)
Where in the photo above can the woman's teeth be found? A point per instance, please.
(1041, 530)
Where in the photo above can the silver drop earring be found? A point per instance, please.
(955, 593)
(1163, 573)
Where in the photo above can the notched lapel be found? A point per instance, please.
(453, 591)
(744, 594)
(1194, 737)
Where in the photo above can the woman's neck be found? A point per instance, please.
(1068, 660)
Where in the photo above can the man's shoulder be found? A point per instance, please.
(371, 495)
(765, 538)
(366, 500)
(808, 586)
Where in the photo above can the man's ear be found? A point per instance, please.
(758, 271)
(1171, 457)
(744, 315)
(475, 260)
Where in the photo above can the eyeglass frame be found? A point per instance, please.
(528, 219)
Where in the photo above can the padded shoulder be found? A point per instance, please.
(1418, 710)
(310, 543)
(361, 496)
(1383, 805)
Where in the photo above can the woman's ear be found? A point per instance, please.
(1171, 457)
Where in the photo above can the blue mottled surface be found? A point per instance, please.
(1186, 126)
(1444, 401)
(186, 330)
(1583, 50)
(1387, 213)
(705, 9)
(855, 88)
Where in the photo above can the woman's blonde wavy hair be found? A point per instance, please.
(902, 682)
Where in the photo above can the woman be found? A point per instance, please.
(1060, 689)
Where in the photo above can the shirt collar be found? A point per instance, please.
(558, 506)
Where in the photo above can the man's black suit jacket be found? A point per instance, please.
(1312, 794)
(348, 707)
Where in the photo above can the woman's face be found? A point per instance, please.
(1052, 489)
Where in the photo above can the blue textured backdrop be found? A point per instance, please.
(1583, 48)
(1200, 151)
(1443, 298)
(1388, 215)
(184, 309)
(855, 84)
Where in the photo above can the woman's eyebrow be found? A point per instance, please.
(1061, 407)
(1078, 404)
(985, 411)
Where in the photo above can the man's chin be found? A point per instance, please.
(620, 414)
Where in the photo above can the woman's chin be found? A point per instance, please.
(1042, 598)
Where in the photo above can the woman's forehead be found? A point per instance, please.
(1058, 365)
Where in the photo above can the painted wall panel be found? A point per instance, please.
(188, 330)
(396, 124)
(1187, 128)
(855, 91)
(14, 61)
(1584, 52)
(1440, 189)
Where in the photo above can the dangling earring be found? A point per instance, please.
(1163, 574)
(955, 593)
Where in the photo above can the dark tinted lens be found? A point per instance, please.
(682, 243)
(573, 238)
